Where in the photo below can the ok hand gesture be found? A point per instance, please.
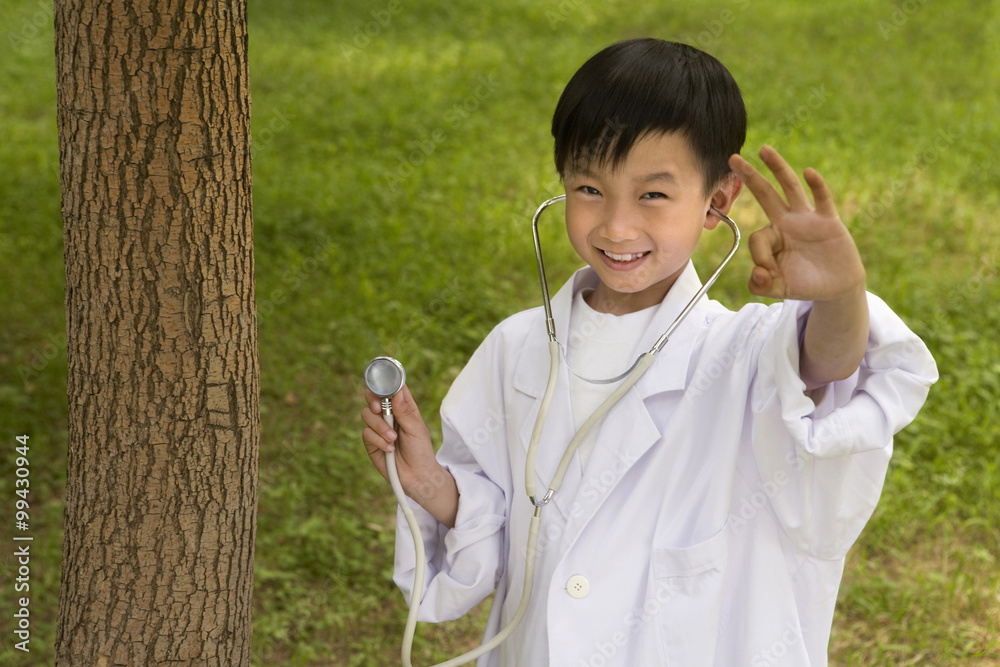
(806, 252)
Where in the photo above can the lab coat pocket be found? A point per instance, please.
(688, 585)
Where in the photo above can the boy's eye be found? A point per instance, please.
(654, 195)
(586, 189)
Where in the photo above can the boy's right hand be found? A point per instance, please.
(422, 477)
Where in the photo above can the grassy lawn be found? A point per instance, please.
(399, 150)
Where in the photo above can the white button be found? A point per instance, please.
(578, 586)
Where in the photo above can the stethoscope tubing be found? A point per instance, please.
(421, 567)
(642, 364)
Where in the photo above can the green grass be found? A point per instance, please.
(356, 258)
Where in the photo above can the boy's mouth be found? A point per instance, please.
(624, 259)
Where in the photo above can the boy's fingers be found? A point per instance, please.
(822, 197)
(374, 403)
(760, 281)
(406, 410)
(377, 424)
(764, 283)
(764, 243)
(760, 187)
(373, 441)
(787, 178)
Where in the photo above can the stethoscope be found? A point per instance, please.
(385, 377)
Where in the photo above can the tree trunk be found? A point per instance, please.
(161, 489)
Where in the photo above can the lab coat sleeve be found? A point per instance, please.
(463, 563)
(823, 463)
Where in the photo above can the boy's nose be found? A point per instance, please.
(619, 226)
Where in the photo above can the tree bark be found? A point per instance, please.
(161, 489)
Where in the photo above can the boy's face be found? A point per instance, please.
(638, 225)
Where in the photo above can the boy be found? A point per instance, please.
(706, 519)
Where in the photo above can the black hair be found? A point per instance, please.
(641, 86)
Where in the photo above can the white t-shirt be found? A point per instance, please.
(600, 346)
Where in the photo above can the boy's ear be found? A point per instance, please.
(723, 197)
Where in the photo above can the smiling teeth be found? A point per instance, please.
(624, 258)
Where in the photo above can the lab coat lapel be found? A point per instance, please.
(626, 434)
(628, 431)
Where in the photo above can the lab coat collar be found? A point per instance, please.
(630, 420)
(530, 375)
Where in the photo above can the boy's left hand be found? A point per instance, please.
(806, 253)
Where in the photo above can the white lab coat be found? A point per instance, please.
(712, 520)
